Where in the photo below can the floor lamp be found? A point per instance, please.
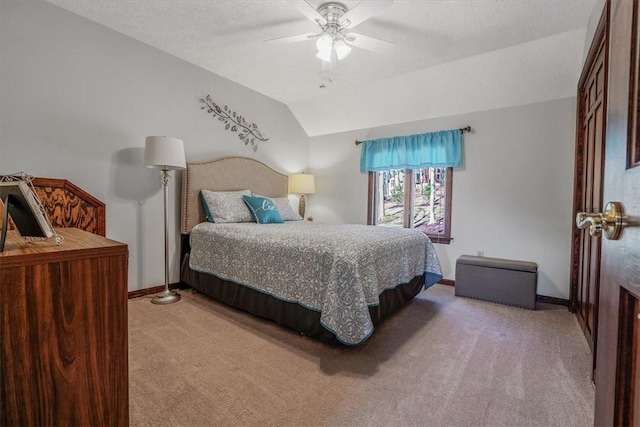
(167, 154)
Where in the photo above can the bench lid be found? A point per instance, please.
(506, 264)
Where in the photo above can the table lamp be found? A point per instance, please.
(302, 184)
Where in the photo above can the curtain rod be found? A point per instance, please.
(462, 130)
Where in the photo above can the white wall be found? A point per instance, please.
(77, 101)
(540, 70)
(592, 26)
(511, 199)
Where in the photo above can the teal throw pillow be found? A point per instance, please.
(263, 210)
(205, 205)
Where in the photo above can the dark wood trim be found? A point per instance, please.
(552, 300)
(600, 41)
(577, 201)
(446, 238)
(441, 240)
(594, 48)
(449, 205)
(633, 148)
(539, 298)
(447, 282)
(372, 200)
(154, 290)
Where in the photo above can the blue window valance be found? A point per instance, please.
(433, 149)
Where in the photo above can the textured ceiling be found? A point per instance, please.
(227, 37)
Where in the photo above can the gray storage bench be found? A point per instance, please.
(497, 280)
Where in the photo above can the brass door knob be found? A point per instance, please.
(611, 221)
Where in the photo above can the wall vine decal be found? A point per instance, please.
(247, 132)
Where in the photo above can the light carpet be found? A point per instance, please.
(441, 361)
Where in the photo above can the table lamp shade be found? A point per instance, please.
(303, 183)
(164, 152)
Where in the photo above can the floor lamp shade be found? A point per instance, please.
(164, 152)
(167, 154)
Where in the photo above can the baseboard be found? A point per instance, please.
(154, 290)
(448, 282)
(552, 300)
(539, 298)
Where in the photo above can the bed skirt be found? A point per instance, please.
(289, 314)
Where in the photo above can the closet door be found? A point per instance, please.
(590, 127)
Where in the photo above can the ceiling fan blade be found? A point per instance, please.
(370, 43)
(309, 11)
(292, 39)
(365, 10)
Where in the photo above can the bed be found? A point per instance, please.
(332, 282)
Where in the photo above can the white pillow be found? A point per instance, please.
(284, 208)
(226, 206)
(286, 211)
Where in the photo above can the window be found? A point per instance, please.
(412, 198)
(410, 180)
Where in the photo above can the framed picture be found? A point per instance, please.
(20, 204)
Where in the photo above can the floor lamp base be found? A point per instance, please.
(166, 297)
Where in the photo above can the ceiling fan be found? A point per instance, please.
(336, 20)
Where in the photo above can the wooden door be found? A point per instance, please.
(590, 137)
(617, 369)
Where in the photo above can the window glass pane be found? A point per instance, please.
(428, 206)
(390, 209)
(429, 198)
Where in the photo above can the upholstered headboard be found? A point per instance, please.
(226, 174)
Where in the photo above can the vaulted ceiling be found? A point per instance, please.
(438, 43)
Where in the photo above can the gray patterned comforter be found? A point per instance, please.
(336, 269)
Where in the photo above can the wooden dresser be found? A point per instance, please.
(63, 331)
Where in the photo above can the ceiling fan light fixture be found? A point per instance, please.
(342, 49)
(336, 20)
(325, 55)
(324, 45)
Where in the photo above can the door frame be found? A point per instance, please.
(599, 37)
